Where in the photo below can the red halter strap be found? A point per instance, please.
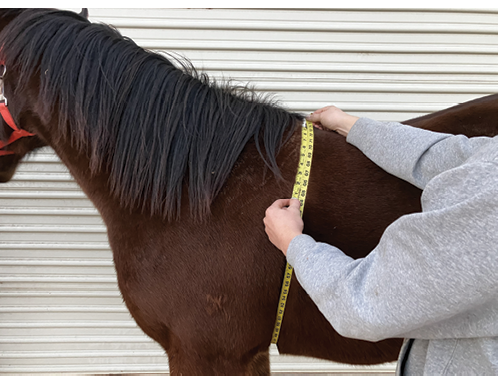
(4, 111)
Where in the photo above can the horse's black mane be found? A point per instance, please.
(153, 126)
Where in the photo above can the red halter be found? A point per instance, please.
(17, 133)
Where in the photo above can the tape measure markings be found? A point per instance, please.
(299, 192)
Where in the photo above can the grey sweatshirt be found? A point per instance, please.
(433, 277)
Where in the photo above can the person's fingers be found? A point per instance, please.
(294, 203)
(315, 120)
(321, 118)
(314, 117)
(281, 203)
(321, 110)
(282, 222)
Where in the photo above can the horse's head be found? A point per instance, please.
(16, 139)
(15, 142)
(18, 122)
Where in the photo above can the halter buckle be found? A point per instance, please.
(2, 93)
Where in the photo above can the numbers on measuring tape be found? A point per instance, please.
(299, 191)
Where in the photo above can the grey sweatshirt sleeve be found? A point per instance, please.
(412, 154)
(433, 274)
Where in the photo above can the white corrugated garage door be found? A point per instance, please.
(60, 310)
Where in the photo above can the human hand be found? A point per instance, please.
(283, 222)
(332, 118)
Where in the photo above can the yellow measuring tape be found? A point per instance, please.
(299, 192)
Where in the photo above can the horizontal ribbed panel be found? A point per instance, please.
(390, 65)
(60, 309)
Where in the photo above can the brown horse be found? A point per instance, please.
(182, 171)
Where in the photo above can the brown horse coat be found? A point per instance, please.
(207, 290)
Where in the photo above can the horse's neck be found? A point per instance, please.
(94, 184)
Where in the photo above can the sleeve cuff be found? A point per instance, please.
(297, 247)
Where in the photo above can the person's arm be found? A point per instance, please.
(412, 154)
(433, 274)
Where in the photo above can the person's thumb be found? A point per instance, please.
(294, 204)
(313, 117)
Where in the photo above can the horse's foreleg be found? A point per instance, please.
(193, 362)
(260, 365)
